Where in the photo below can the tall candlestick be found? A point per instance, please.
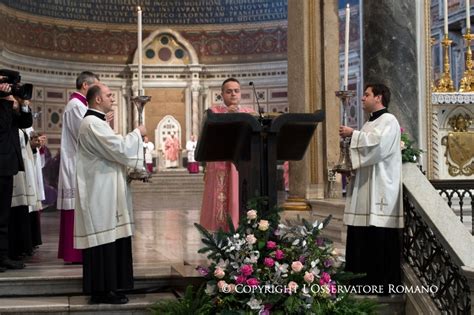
(139, 45)
(468, 14)
(346, 47)
(445, 16)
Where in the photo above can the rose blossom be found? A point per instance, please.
(279, 254)
(240, 279)
(221, 284)
(269, 262)
(219, 273)
(253, 282)
(251, 239)
(325, 278)
(328, 263)
(308, 277)
(246, 270)
(263, 225)
(297, 266)
(292, 286)
(302, 259)
(251, 214)
(271, 245)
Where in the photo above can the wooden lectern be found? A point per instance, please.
(254, 144)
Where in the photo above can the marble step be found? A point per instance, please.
(138, 304)
(336, 231)
(48, 280)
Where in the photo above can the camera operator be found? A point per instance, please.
(14, 114)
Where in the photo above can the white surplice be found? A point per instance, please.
(24, 182)
(191, 148)
(72, 117)
(103, 208)
(376, 198)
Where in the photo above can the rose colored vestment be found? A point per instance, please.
(172, 147)
(221, 189)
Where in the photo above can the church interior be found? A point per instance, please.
(296, 54)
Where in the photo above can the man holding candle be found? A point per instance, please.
(103, 221)
(374, 212)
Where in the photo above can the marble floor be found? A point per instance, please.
(164, 236)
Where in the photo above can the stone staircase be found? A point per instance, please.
(58, 290)
(174, 182)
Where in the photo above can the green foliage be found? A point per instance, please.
(191, 303)
(409, 153)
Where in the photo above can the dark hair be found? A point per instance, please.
(229, 80)
(85, 76)
(380, 89)
(92, 93)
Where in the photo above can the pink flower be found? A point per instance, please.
(269, 262)
(279, 255)
(219, 273)
(292, 286)
(253, 282)
(325, 278)
(240, 279)
(297, 266)
(402, 130)
(246, 270)
(308, 277)
(271, 245)
(221, 284)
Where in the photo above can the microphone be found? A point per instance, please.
(256, 97)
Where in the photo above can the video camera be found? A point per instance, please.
(23, 91)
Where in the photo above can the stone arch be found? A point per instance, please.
(165, 128)
(179, 42)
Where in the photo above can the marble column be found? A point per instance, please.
(390, 55)
(313, 78)
(195, 109)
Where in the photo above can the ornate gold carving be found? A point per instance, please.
(459, 146)
(467, 81)
(460, 123)
(445, 84)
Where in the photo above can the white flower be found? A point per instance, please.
(251, 239)
(210, 289)
(263, 225)
(255, 304)
(251, 214)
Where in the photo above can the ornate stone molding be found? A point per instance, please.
(452, 98)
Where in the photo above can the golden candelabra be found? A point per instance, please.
(445, 84)
(467, 81)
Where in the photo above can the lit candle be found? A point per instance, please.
(445, 16)
(346, 47)
(468, 14)
(139, 45)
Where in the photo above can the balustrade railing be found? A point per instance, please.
(459, 196)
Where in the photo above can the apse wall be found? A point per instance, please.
(189, 49)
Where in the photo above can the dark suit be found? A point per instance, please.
(10, 162)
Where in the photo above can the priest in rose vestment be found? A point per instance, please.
(373, 212)
(104, 222)
(172, 148)
(221, 179)
(73, 114)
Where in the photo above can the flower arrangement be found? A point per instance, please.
(409, 153)
(267, 267)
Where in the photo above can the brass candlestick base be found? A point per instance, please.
(140, 174)
(344, 165)
(467, 81)
(445, 84)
